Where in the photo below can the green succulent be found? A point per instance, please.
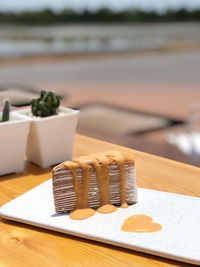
(46, 104)
(6, 111)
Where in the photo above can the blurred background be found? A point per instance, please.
(131, 67)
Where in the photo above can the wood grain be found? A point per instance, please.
(23, 245)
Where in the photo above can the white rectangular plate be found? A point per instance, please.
(179, 215)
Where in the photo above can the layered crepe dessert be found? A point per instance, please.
(94, 181)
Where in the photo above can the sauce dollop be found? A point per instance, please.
(124, 205)
(107, 209)
(81, 214)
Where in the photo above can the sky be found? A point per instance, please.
(18, 5)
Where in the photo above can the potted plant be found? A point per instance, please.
(14, 130)
(52, 130)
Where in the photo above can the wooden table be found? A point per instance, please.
(24, 245)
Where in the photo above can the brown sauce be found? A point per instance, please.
(101, 162)
(81, 214)
(124, 205)
(140, 224)
(107, 209)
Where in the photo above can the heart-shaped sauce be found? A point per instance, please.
(140, 224)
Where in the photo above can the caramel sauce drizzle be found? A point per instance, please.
(81, 214)
(101, 162)
(124, 205)
(82, 199)
(107, 209)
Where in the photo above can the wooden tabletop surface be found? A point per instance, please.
(24, 245)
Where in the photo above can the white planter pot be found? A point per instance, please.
(51, 138)
(13, 140)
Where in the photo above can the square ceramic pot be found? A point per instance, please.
(51, 139)
(13, 140)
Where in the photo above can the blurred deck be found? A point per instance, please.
(165, 84)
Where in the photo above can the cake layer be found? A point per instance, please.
(65, 189)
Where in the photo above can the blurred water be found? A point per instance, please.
(22, 40)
